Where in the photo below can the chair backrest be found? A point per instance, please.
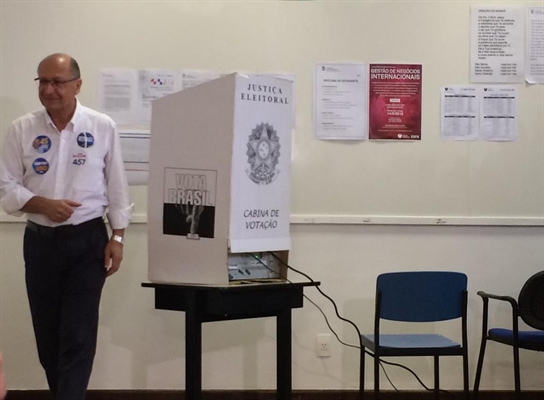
(531, 301)
(421, 296)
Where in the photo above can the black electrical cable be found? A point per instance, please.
(328, 323)
(357, 329)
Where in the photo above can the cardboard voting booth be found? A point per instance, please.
(219, 181)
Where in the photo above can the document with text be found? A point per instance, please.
(498, 117)
(340, 101)
(118, 93)
(497, 53)
(154, 84)
(460, 107)
(534, 72)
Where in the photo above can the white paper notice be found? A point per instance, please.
(460, 113)
(535, 45)
(496, 44)
(154, 84)
(118, 93)
(135, 149)
(499, 113)
(190, 78)
(340, 101)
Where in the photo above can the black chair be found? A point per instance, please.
(530, 308)
(424, 296)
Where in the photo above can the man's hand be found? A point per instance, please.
(55, 210)
(113, 256)
(60, 210)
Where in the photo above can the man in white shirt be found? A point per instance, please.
(62, 166)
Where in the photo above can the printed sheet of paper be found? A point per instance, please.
(535, 45)
(460, 117)
(395, 101)
(340, 101)
(135, 149)
(498, 116)
(190, 78)
(154, 84)
(118, 93)
(496, 44)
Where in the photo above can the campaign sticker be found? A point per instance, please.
(42, 144)
(40, 166)
(85, 140)
(79, 158)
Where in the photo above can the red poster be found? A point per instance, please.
(395, 101)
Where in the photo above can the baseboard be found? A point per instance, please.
(270, 395)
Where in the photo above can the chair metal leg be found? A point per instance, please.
(517, 379)
(376, 377)
(465, 375)
(436, 378)
(479, 367)
(362, 375)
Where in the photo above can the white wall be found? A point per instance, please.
(142, 348)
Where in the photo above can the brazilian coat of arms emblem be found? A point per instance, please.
(263, 151)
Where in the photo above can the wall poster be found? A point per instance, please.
(395, 101)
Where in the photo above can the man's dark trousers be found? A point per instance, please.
(64, 277)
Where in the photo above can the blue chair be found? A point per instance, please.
(424, 296)
(530, 308)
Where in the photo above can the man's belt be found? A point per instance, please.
(65, 230)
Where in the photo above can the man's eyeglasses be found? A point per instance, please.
(56, 83)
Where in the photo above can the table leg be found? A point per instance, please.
(284, 354)
(193, 349)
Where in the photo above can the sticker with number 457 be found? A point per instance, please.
(79, 159)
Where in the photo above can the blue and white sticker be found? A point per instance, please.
(85, 139)
(42, 144)
(40, 166)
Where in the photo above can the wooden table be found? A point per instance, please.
(223, 303)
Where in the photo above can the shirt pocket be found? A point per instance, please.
(89, 178)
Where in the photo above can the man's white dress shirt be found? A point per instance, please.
(82, 163)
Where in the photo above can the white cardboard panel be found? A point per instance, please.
(190, 132)
(261, 161)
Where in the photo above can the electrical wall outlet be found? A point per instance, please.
(323, 345)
